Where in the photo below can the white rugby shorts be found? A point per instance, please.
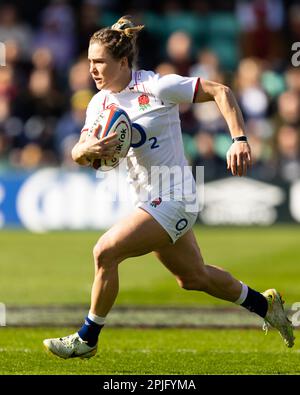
(176, 217)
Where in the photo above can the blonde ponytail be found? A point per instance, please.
(126, 26)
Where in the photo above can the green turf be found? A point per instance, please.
(167, 351)
(57, 267)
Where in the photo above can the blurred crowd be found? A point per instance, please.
(45, 86)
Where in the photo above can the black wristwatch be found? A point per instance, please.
(240, 138)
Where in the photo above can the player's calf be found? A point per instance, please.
(192, 283)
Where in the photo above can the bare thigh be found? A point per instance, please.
(183, 258)
(135, 235)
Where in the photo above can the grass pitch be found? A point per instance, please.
(167, 351)
(57, 268)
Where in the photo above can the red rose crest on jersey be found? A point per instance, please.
(156, 202)
(144, 102)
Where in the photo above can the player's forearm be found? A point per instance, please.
(78, 155)
(230, 110)
(226, 102)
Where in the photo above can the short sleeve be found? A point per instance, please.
(174, 88)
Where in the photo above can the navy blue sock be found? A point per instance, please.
(256, 303)
(89, 332)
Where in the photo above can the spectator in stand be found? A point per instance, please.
(69, 126)
(207, 157)
(15, 32)
(293, 25)
(292, 78)
(261, 135)
(207, 66)
(89, 15)
(42, 59)
(288, 109)
(57, 34)
(252, 98)
(37, 108)
(207, 115)
(8, 89)
(5, 149)
(179, 52)
(41, 98)
(17, 38)
(288, 153)
(79, 76)
(8, 94)
(261, 22)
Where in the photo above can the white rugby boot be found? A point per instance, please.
(71, 346)
(277, 318)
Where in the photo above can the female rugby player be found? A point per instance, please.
(163, 225)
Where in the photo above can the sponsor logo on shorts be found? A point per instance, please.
(156, 202)
(181, 224)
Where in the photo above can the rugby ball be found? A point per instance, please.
(111, 120)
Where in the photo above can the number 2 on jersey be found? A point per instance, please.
(143, 137)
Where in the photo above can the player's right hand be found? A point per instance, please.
(239, 158)
(93, 148)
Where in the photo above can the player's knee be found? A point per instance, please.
(104, 255)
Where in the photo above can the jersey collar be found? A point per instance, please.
(132, 83)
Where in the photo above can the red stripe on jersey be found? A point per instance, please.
(84, 130)
(196, 89)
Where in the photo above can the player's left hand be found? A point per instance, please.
(239, 158)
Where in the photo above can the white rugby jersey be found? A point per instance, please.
(151, 102)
